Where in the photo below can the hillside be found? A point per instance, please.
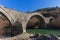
(49, 9)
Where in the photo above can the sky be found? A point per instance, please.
(29, 5)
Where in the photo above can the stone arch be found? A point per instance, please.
(11, 20)
(29, 16)
(38, 16)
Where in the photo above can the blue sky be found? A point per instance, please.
(29, 5)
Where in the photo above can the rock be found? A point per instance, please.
(54, 37)
(44, 37)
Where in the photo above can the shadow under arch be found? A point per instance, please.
(4, 23)
(35, 21)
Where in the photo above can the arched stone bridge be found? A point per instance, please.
(21, 19)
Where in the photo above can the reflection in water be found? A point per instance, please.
(7, 35)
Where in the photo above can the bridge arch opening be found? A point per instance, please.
(6, 28)
(4, 23)
(35, 22)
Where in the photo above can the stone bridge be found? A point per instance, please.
(17, 18)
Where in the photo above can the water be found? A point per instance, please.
(44, 31)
